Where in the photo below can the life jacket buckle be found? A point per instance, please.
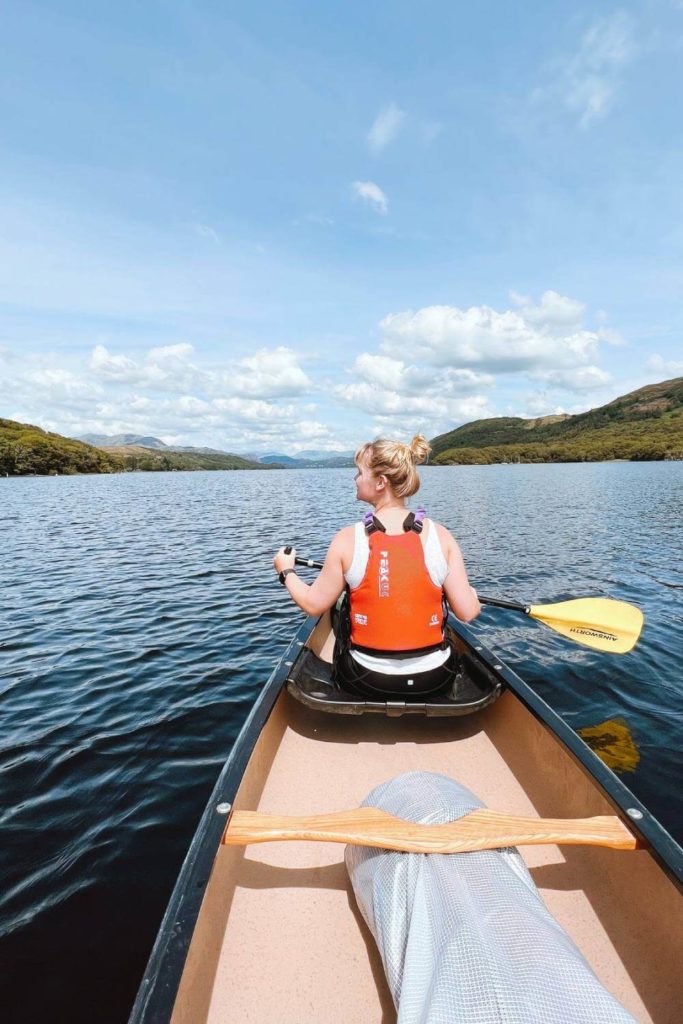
(414, 521)
(372, 524)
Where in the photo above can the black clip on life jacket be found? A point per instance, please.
(413, 521)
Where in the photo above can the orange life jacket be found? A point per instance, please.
(396, 606)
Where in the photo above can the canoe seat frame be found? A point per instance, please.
(310, 682)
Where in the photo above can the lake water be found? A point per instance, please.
(140, 614)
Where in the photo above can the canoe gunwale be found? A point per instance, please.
(159, 986)
(647, 829)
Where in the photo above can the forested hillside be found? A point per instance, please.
(646, 424)
(27, 450)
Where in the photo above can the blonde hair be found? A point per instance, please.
(396, 461)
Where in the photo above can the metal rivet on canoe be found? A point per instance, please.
(289, 664)
(633, 812)
(224, 808)
(498, 666)
(479, 648)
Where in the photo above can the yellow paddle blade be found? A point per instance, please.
(597, 622)
(613, 743)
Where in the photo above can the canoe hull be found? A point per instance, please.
(269, 911)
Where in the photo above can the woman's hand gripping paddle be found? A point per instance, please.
(597, 622)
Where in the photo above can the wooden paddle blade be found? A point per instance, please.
(479, 830)
(597, 622)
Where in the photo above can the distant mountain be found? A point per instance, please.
(27, 450)
(310, 459)
(301, 460)
(114, 440)
(199, 451)
(283, 460)
(141, 441)
(318, 456)
(137, 457)
(646, 424)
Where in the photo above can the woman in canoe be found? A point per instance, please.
(399, 570)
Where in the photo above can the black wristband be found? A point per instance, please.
(284, 574)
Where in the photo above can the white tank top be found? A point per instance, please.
(437, 567)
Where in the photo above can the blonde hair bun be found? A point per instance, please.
(419, 449)
(396, 461)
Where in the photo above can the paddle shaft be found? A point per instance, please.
(478, 830)
(514, 606)
(598, 622)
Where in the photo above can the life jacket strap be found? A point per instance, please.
(372, 524)
(413, 521)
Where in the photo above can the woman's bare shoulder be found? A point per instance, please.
(346, 533)
(343, 539)
(446, 538)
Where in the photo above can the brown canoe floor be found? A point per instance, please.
(280, 939)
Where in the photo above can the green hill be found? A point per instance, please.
(26, 450)
(646, 424)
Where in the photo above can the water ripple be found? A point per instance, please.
(140, 615)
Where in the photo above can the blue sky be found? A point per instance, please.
(273, 226)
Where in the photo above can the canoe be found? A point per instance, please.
(272, 932)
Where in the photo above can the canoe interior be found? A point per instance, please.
(279, 936)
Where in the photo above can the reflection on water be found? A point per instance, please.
(140, 614)
(613, 743)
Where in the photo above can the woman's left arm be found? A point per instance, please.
(324, 591)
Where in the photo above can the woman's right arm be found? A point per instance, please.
(316, 598)
(462, 598)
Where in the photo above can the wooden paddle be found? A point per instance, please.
(597, 622)
(479, 830)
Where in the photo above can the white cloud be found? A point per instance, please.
(111, 367)
(661, 365)
(165, 391)
(386, 372)
(371, 193)
(385, 128)
(253, 410)
(554, 312)
(533, 337)
(167, 367)
(271, 373)
(541, 404)
(580, 378)
(457, 357)
(587, 81)
(391, 373)
(268, 373)
(433, 411)
(41, 383)
(173, 354)
(435, 418)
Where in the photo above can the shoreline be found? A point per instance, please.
(300, 469)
